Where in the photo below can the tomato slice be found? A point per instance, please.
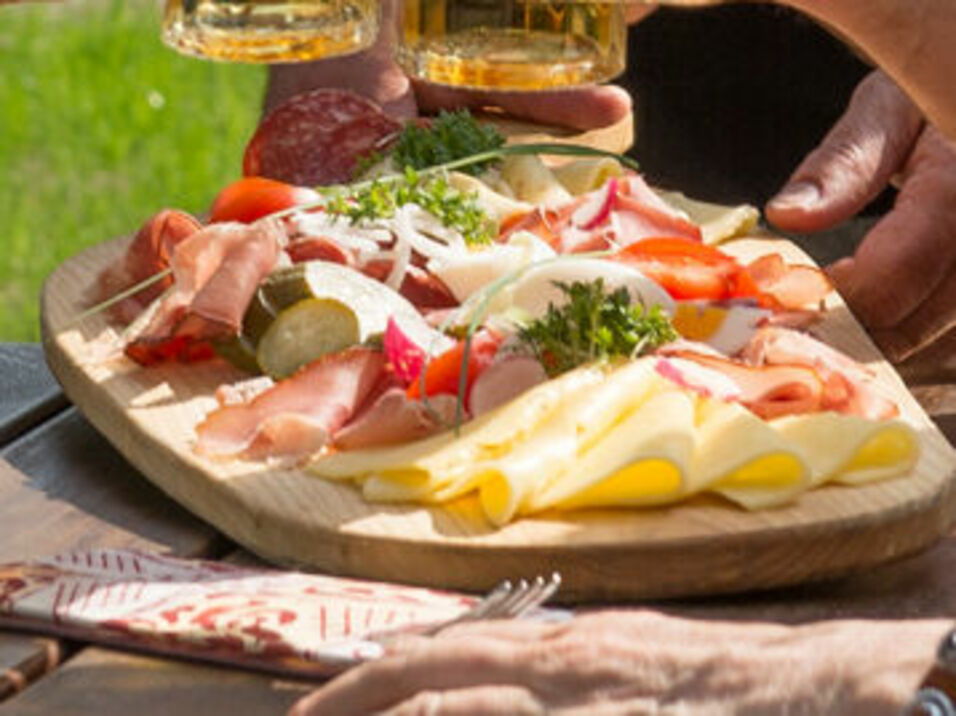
(251, 198)
(688, 269)
(442, 372)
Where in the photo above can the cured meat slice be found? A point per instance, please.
(297, 416)
(394, 418)
(216, 272)
(792, 286)
(768, 391)
(850, 388)
(148, 254)
(315, 138)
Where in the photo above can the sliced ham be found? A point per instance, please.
(638, 221)
(423, 290)
(298, 416)
(793, 286)
(394, 418)
(503, 381)
(148, 254)
(768, 391)
(618, 214)
(216, 272)
(850, 387)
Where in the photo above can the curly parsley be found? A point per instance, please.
(451, 136)
(594, 324)
(379, 199)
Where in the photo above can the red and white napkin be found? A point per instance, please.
(286, 622)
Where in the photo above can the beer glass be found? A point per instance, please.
(270, 30)
(513, 44)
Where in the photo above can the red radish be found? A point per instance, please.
(404, 355)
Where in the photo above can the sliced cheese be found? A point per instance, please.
(532, 181)
(718, 223)
(584, 175)
(641, 460)
(743, 458)
(849, 449)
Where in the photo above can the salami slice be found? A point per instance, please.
(315, 138)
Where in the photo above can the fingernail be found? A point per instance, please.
(801, 194)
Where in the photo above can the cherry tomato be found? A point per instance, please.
(442, 372)
(251, 198)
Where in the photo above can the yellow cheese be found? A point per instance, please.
(641, 460)
(741, 457)
(849, 449)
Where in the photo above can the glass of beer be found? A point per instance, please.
(270, 30)
(513, 44)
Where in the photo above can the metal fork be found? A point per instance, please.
(506, 601)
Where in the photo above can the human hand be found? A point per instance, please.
(641, 662)
(901, 282)
(375, 75)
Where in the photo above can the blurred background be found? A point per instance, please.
(100, 126)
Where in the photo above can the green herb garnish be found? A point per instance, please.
(382, 197)
(451, 136)
(594, 324)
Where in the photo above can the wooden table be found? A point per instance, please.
(63, 487)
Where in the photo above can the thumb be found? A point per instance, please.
(855, 161)
(581, 108)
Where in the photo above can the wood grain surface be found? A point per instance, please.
(703, 546)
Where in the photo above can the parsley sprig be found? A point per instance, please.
(451, 136)
(380, 199)
(594, 324)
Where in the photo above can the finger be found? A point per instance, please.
(933, 319)
(507, 630)
(854, 163)
(583, 108)
(435, 665)
(638, 11)
(906, 256)
(499, 699)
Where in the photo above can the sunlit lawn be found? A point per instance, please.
(100, 125)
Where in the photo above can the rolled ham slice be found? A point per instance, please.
(216, 272)
(394, 419)
(768, 391)
(149, 253)
(851, 388)
(793, 286)
(298, 416)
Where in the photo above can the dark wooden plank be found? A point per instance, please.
(29, 393)
(63, 487)
(25, 658)
(111, 683)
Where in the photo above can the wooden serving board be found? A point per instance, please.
(703, 546)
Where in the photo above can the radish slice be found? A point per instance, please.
(405, 356)
(595, 211)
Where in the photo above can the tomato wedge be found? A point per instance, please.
(251, 198)
(688, 269)
(442, 372)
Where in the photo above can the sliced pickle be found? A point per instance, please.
(307, 330)
(338, 300)
(239, 351)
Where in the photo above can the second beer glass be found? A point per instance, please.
(513, 44)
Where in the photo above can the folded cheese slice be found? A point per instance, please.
(743, 458)
(641, 460)
(850, 449)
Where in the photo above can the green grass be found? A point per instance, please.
(100, 126)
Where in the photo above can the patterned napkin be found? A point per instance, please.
(285, 622)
